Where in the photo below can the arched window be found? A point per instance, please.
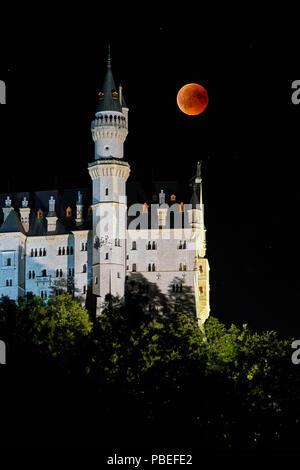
(42, 294)
(35, 252)
(33, 274)
(59, 250)
(153, 267)
(82, 246)
(149, 246)
(134, 268)
(116, 242)
(85, 247)
(119, 242)
(173, 288)
(7, 283)
(184, 245)
(41, 252)
(149, 267)
(153, 245)
(31, 252)
(118, 276)
(201, 289)
(96, 280)
(84, 268)
(106, 191)
(180, 267)
(177, 287)
(180, 288)
(63, 251)
(57, 273)
(44, 252)
(45, 294)
(29, 275)
(106, 255)
(44, 272)
(72, 271)
(10, 282)
(201, 268)
(69, 212)
(184, 267)
(133, 246)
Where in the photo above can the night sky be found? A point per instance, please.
(247, 138)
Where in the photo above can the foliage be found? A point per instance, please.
(223, 386)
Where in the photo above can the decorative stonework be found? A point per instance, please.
(105, 167)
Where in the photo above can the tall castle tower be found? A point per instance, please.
(109, 174)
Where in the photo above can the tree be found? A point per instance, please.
(56, 327)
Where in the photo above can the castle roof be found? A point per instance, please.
(109, 97)
(137, 192)
(12, 224)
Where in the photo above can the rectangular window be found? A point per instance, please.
(106, 191)
(8, 262)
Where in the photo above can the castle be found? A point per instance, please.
(92, 242)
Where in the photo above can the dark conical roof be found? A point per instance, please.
(195, 199)
(109, 96)
(12, 224)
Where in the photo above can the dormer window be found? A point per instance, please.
(173, 197)
(69, 212)
(40, 214)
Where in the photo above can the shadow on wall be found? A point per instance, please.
(180, 298)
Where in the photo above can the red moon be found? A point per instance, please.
(192, 99)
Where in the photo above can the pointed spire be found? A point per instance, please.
(109, 95)
(108, 58)
(195, 199)
(198, 178)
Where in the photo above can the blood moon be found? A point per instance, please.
(192, 99)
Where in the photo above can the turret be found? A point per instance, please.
(109, 174)
(109, 129)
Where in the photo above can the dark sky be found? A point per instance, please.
(247, 137)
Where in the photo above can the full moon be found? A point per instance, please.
(192, 99)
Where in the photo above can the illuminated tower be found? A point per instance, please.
(196, 220)
(109, 174)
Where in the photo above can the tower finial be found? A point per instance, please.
(199, 169)
(108, 58)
